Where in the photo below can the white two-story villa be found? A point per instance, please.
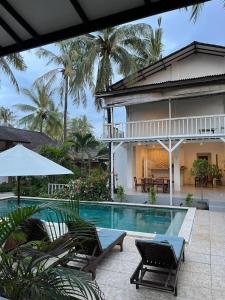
(175, 113)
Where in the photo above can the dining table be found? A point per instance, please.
(161, 183)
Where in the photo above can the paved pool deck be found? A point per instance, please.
(202, 276)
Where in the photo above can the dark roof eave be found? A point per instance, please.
(164, 85)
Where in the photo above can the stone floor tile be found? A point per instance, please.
(114, 293)
(218, 283)
(218, 270)
(194, 279)
(193, 293)
(197, 257)
(218, 295)
(218, 260)
(196, 267)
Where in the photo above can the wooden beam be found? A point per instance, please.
(8, 7)
(10, 31)
(79, 10)
(100, 23)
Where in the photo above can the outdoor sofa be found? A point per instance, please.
(160, 263)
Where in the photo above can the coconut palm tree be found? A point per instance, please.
(42, 113)
(83, 143)
(113, 50)
(81, 125)
(7, 117)
(196, 10)
(67, 70)
(16, 61)
(152, 48)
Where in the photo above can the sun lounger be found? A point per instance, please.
(92, 246)
(161, 259)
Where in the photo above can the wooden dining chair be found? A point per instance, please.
(136, 184)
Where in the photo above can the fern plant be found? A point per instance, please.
(35, 276)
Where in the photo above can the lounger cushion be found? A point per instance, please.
(108, 236)
(176, 242)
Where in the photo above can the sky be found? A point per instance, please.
(178, 31)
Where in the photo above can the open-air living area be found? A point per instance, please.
(112, 150)
(150, 168)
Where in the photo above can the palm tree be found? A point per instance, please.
(16, 61)
(42, 113)
(7, 117)
(81, 125)
(68, 71)
(152, 48)
(196, 10)
(83, 143)
(113, 50)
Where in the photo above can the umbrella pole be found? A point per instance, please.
(18, 190)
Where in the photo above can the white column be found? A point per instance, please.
(129, 166)
(112, 171)
(171, 173)
(177, 178)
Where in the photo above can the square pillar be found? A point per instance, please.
(177, 177)
(130, 165)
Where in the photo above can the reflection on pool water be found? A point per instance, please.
(125, 217)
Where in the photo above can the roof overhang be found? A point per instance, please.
(165, 62)
(26, 24)
(179, 89)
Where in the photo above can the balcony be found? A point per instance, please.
(212, 126)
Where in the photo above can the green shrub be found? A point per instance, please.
(90, 188)
(6, 187)
(120, 193)
(189, 199)
(151, 195)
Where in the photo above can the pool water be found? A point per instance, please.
(125, 217)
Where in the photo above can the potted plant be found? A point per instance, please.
(201, 169)
(216, 174)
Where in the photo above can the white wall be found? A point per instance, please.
(120, 165)
(208, 105)
(196, 65)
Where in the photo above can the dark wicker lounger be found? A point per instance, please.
(94, 246)
(161, 259)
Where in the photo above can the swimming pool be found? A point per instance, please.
(137, 218)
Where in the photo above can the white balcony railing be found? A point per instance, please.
(175, 127)
(55, 187)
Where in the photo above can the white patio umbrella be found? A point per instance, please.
(20, 161)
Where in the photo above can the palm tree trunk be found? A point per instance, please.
(65, 110)
(82, 163)
(41, 126)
